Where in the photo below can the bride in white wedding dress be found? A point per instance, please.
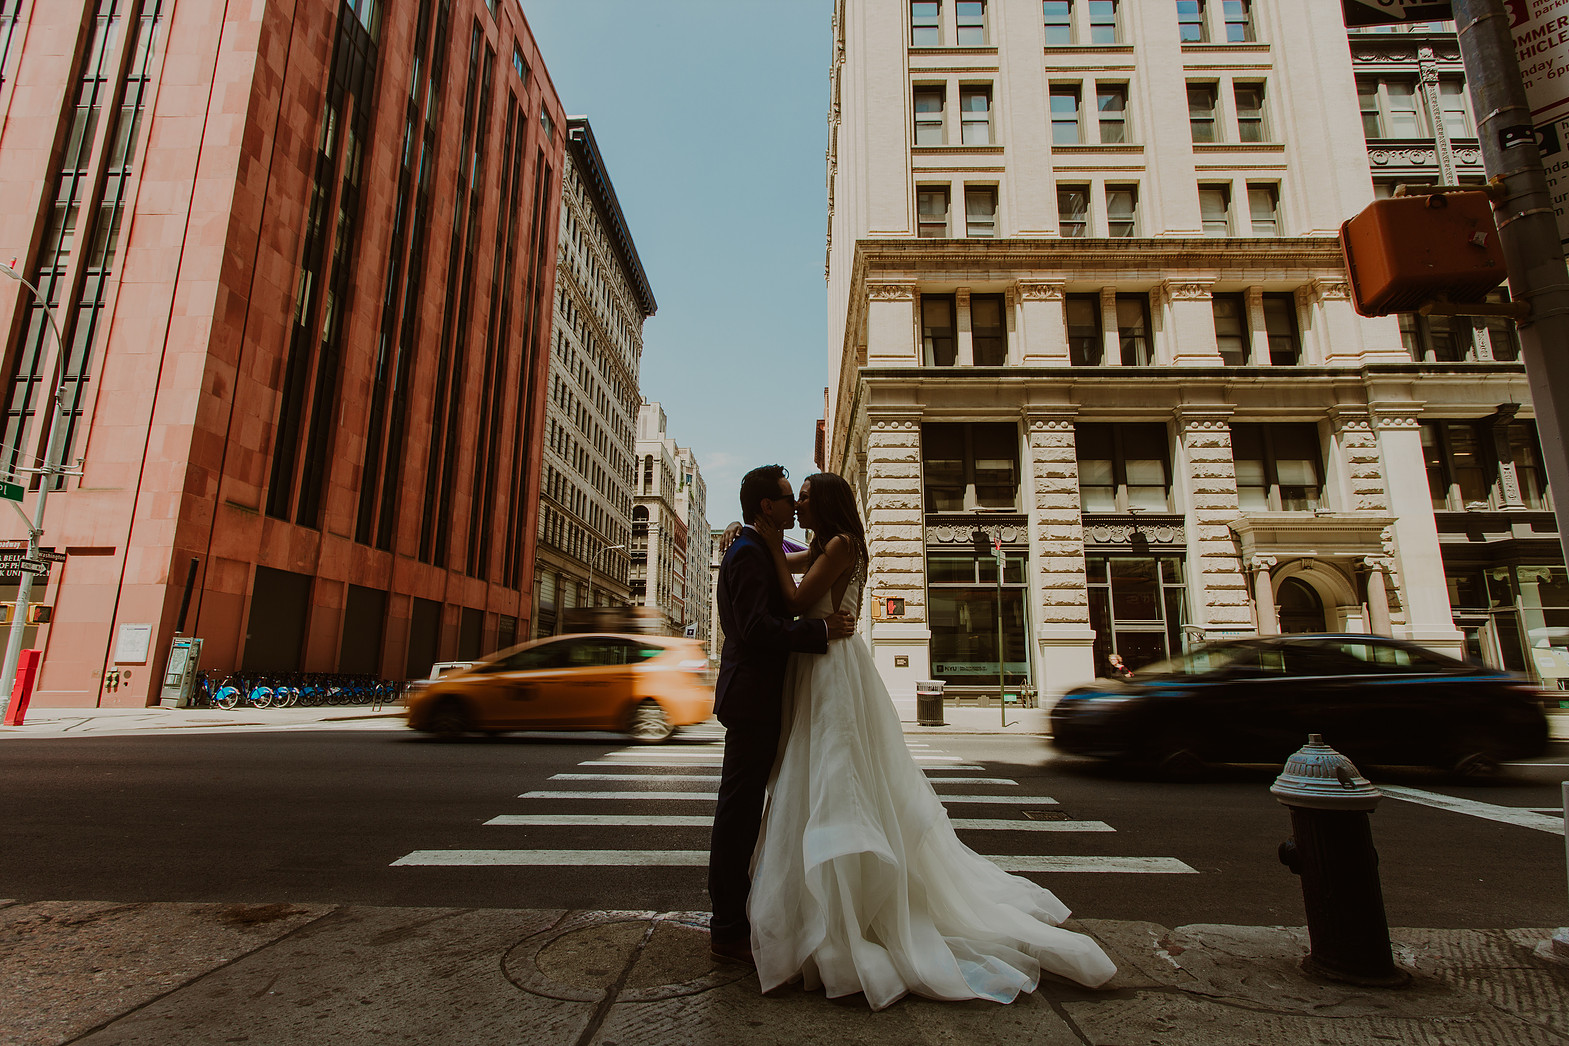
(859, 883)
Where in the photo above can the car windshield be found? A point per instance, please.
(1207, 659)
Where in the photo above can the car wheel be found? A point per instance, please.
(649, 724)
(1476, 766)
(448, 720)
(1181, 762)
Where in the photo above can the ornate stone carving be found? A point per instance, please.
(889, 424)
(1395, 421)
(1261, 562)
(1167, 535)
(1414, 156)
(961, 298)
(1051, 424)
(1185, 290)
(890, 291)
(1383, 563)
(1036, 290)
(1012, 532)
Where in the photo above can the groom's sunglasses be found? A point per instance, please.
(781, 497)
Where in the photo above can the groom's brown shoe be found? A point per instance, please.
(739, 952)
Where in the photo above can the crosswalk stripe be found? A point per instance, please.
(1023, 800)
(715, 777)
(699, 858)
(716, 761)
(1487, 811)
(701, 821)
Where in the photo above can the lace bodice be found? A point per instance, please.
(852, 595)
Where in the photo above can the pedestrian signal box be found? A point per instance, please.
(39, 614)
(893, 606)
(1409, 251)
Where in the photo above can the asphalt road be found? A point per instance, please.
(324, 815)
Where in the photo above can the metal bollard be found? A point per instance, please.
(1331, 849)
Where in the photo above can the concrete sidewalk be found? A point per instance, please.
(99, 973)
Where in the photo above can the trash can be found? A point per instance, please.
(928, 702)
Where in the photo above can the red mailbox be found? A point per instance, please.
(1407, 251)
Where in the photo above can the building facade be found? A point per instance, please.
(668, 507)
(1087, 305)
(302, 257)
(602, 299)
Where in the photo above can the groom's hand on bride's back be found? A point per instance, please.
(841, 623)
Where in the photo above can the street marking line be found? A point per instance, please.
(699, 858)
(703, 821)
(634, 777)
(972, 780)
(1022, 800)
(1470, 807)
(716, 761)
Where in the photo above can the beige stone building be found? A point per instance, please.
(1086, 299)
(670, 534)
(602, 299)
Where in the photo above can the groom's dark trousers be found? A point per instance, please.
(759, 637)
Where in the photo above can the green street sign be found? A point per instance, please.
(11, 491)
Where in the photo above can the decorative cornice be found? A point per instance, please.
(1165, 532)
(1013, 531)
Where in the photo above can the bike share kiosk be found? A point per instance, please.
(179, 675)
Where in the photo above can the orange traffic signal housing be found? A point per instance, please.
(1407, 251)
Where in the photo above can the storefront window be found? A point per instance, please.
(968, 467)
(1138, 605)
(962, 596)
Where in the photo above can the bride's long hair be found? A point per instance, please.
(834, 513)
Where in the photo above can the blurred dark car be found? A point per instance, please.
(1376, 700)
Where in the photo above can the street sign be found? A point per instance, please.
(1382, 12)
(51, 555)
(33, 566)
(11, 491)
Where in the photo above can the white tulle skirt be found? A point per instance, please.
(859, 883)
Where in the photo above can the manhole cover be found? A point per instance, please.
(637, 956)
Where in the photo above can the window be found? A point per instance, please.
(1086, 344)
(1464, 458)
(1215, 209)
(929, 116)
(1231, 328)
(1502, 338)
(1133, 329)
(1123, 467)
(1279, 468)
(1111, 102)
(1239, 21)
(971, 15)
(1073, 211)
(1190, 22)
(975, 115)
(1389, 109)
(980, 210)
(1436, 339)
(1201, 112)
(932, 211)
(1264, 209)
(989, 330)
(937, 330)
(970, 466)
(1453, 109)
(521, 67)
(1122, 205)
(925, 23)
(1065, 114)
(1250, 112)
(1138, 605)
(963, 597)
(1280, 323)
(1059, 22)
(1103, 22)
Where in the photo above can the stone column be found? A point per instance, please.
(1111, 354)
(893, 336)
(1264, 595)
(896, 543)
(964, 343)
(1189, 336)
(1258, 333)
(1059, 596)
(1364, 478)
(1012, 326)
(1217, 589)
(1423, 590)
(1377, 595)
(1043, 327)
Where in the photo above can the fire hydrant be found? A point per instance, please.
(1331, 849)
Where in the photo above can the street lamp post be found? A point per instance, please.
(50, 470)
(591, 559)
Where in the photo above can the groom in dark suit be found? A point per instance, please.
(760, 634)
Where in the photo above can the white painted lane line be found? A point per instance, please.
(661, 778)
(1022, 800)
(699, 858)
(716, 761)
(702, 821)
(1470, 807)
(974, 780)
(586, 820)
(966, 824)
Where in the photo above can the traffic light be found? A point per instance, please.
(39, 614)
(1409, 251)
(7, 612)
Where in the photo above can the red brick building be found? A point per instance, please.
(303, 255)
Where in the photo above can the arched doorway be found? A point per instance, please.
(1300, 607)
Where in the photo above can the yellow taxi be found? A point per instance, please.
(646, 686)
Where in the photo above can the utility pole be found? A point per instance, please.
(1527, 228)
(47, 474)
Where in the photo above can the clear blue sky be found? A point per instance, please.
(712, 119)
